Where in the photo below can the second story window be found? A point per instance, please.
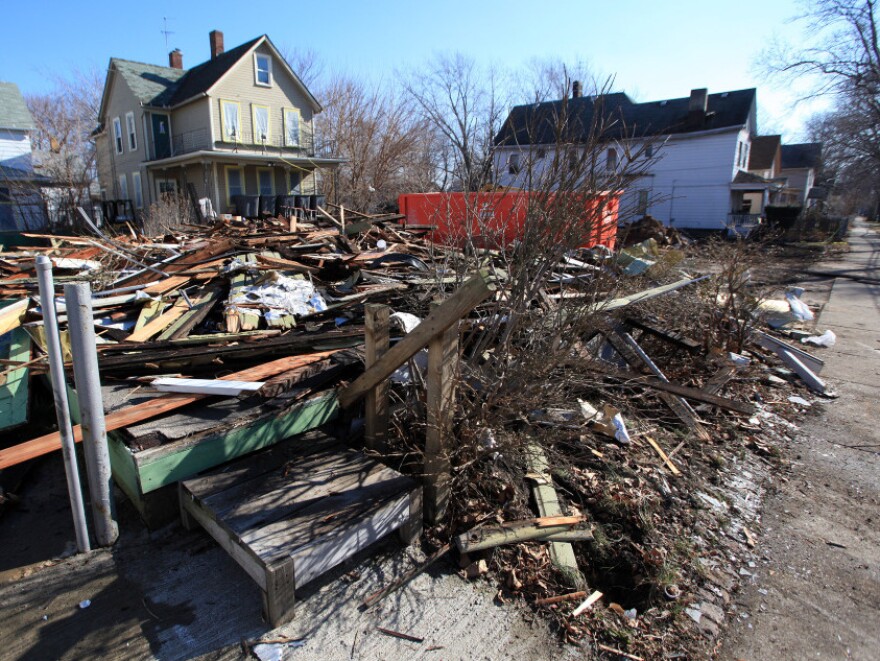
(291, 127)
(261, 124)
(263, 66)
(513, 164)
(611, 159)
(131, 132)
(230, 116)
(117, 134)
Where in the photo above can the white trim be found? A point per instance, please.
(118, 138)
(137, 189)
(131, 132)
(257, 80)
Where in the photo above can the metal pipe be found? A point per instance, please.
(62, 411)
(88, 388)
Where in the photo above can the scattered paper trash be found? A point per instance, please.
(800, 401)
(826, 339)
(738, 359)
(798, 308)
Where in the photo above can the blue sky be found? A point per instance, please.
(655, 49)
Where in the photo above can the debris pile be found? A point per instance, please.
(594, 414)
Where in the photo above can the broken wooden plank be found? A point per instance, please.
(202, 304)
(699, 395)
(561, 553)
(212, 387)
(588, 602)
(720, 379)
(376, 405)
(813, 363)
(794, 362)
(672, 467)
(150, 409)
(161, 322)
(11, 316)
(674, 337)
(460, 303)
(442, 368)
(513, 532)
(150, 311)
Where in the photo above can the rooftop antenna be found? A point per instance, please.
(165, 30)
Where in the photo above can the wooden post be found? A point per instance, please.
(376, 405)
(442, 366)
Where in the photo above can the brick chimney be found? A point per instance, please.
(216, 38)
(175, 59)
(576, 89)
(697, 106)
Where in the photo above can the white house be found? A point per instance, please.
(21, 207)
(694, 151)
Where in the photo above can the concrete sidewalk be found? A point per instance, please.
(817, 594)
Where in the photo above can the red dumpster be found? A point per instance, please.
(495, 219)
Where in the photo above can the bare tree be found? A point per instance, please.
(460, 100)
(64, 149)
(388, 147)
(305, 62)
(843, 62)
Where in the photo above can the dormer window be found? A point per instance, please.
(263, 69)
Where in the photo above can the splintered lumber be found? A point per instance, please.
(440, 396)
(167, 285)
(151, 409)
(203, 303)
(633, 353)
(211, 250)
(672, 467)
(589, 601)
(376, 405)
(285, 264)
(512, 532)
(151, 310)
(561, 553)
(161, 322)
(571, 596)
(671, 336)
(720, 379)
(460, 303)
(700, 396)
(12, 315)
(646, 295)
(220, 387)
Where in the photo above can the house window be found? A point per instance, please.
(642, 204)
(263, 66)
(540, 153)
(234, 183)
(649, 151)
(117, 134)
(294, 181)
(138, 191)
(291, 127)
(261, 124)
(611, 159)
(265, 181)
(230, 112)
(123, 187)
(129, 129)
(513, 164)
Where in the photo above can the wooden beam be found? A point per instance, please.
(512, 532)
(674, 337)
(700, 396)
(12, 315)
(376, 404)
(151, 409)
(561, 553)
(460, 303)
(161, 322)
(442, 368)
(203, 303)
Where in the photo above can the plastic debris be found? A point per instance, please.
(282, 295)
(794, 399)
(827, 339)
(798, 308)
(85, 603)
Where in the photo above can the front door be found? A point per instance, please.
(161, 135)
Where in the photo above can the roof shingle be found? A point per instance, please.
(14, 113)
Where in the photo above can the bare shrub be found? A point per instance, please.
(167, 213)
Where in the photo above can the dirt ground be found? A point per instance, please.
(816, 592)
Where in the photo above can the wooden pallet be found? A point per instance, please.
(292, 512)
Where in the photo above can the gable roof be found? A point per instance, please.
(763, 151)
(167, 87)
(14, 113)
(803, 155)
(622, 117)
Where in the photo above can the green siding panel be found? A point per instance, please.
(15, 345)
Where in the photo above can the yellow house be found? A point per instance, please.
(240, 124)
